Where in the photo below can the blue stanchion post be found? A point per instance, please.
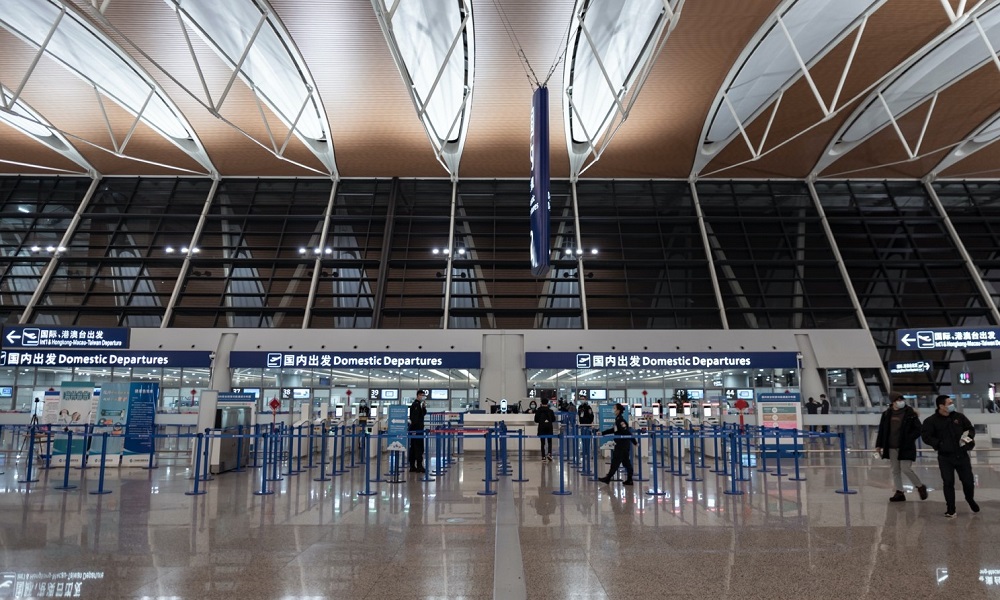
(274, 452)
(489, 467)
(795, 456)
(343, 448)
(368, 466)
(762, 468)
(562, 467)
(197, 469)
(777, 454)
(691, 447)
(655, 490)
(151, 464)
(732, 491)
(715, 449)
(353, 436)
(427, 456)
(596, 449)
(843, 464)
(520, 457)
(264, 442)
(206, 472)
(322, 455)
(69, 456)
(104, 456)
(239, 450)
(86, 447)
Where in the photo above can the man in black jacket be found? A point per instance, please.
(623, 445)
(951, 434)
(545, 419)
(898, 432)
(417, 411)
(586, 416)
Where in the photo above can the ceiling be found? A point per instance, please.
(375, 130)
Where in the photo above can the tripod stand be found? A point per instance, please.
(31, 432)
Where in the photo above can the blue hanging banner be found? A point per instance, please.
(538, 205)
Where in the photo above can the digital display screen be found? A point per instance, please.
(673, 411)
(255, 392)
(598, 394)
(696, 394)
(706, 411)
(339, 411)
(744, 394)
(390, 394)
(439, 394)
(6, 392)
(637, 411)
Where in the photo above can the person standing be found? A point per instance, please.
(623, 445)
(951, 434)
(812, 408)
(545, 419)
(824, 409)
(585, 415)
(417, 411)
(898, 431)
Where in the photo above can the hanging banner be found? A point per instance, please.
(540, 196)
(140, 423)
(112, 409)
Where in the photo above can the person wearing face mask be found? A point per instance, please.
(951, 434)
(898, 431)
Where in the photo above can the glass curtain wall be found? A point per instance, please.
(34, 215)
(904, 266)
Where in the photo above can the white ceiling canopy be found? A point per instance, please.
(250, 38)
(432, 44)
(23, 118)
(967, 45)
(60, 33)
(797, 36)
(612, 47)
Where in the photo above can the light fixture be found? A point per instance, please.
(435, 251)
(169, 249)
(35, 248)
(579, 251)
(302, 250)
(594, 251)
(461, 251)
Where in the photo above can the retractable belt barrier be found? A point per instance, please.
(278, 451)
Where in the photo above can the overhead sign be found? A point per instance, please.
(41, 336)
(235, 397)
(915, 366)
(383, 360)
(660, 360)
(540, 195)
(99, 358)
(947, 338)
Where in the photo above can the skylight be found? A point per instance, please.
(609, 41)
(269, 65)
(90, 56)
(814, 27)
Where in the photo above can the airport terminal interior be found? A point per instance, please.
(287, 286)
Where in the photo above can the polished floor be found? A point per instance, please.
(442, 539)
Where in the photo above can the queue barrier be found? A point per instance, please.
(278, 448)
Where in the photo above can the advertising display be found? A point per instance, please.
(396, 428)
(140, 423)
(112, 412)
(661, 360)
(783, 411)
(380, 360)
(76, 406)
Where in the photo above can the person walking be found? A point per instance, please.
(623, 445)
(952, 435)
(545, 419)
(898, 431)
(585, 415)
(416, 426)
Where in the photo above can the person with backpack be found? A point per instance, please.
(545, 419)
(898, 431)
(623, 445)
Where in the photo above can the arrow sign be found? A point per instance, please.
(12, 337)
(907, 340)
(943, 338)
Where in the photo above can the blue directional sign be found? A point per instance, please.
(947, 338)
(660, 360)
(913, 366)
(70, 338)
(380, 360)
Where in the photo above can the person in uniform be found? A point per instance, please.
(417, 411)
(620, 454)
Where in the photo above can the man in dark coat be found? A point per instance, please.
(951, 434)
(898, 431)
(417, 411)
(545, 419)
